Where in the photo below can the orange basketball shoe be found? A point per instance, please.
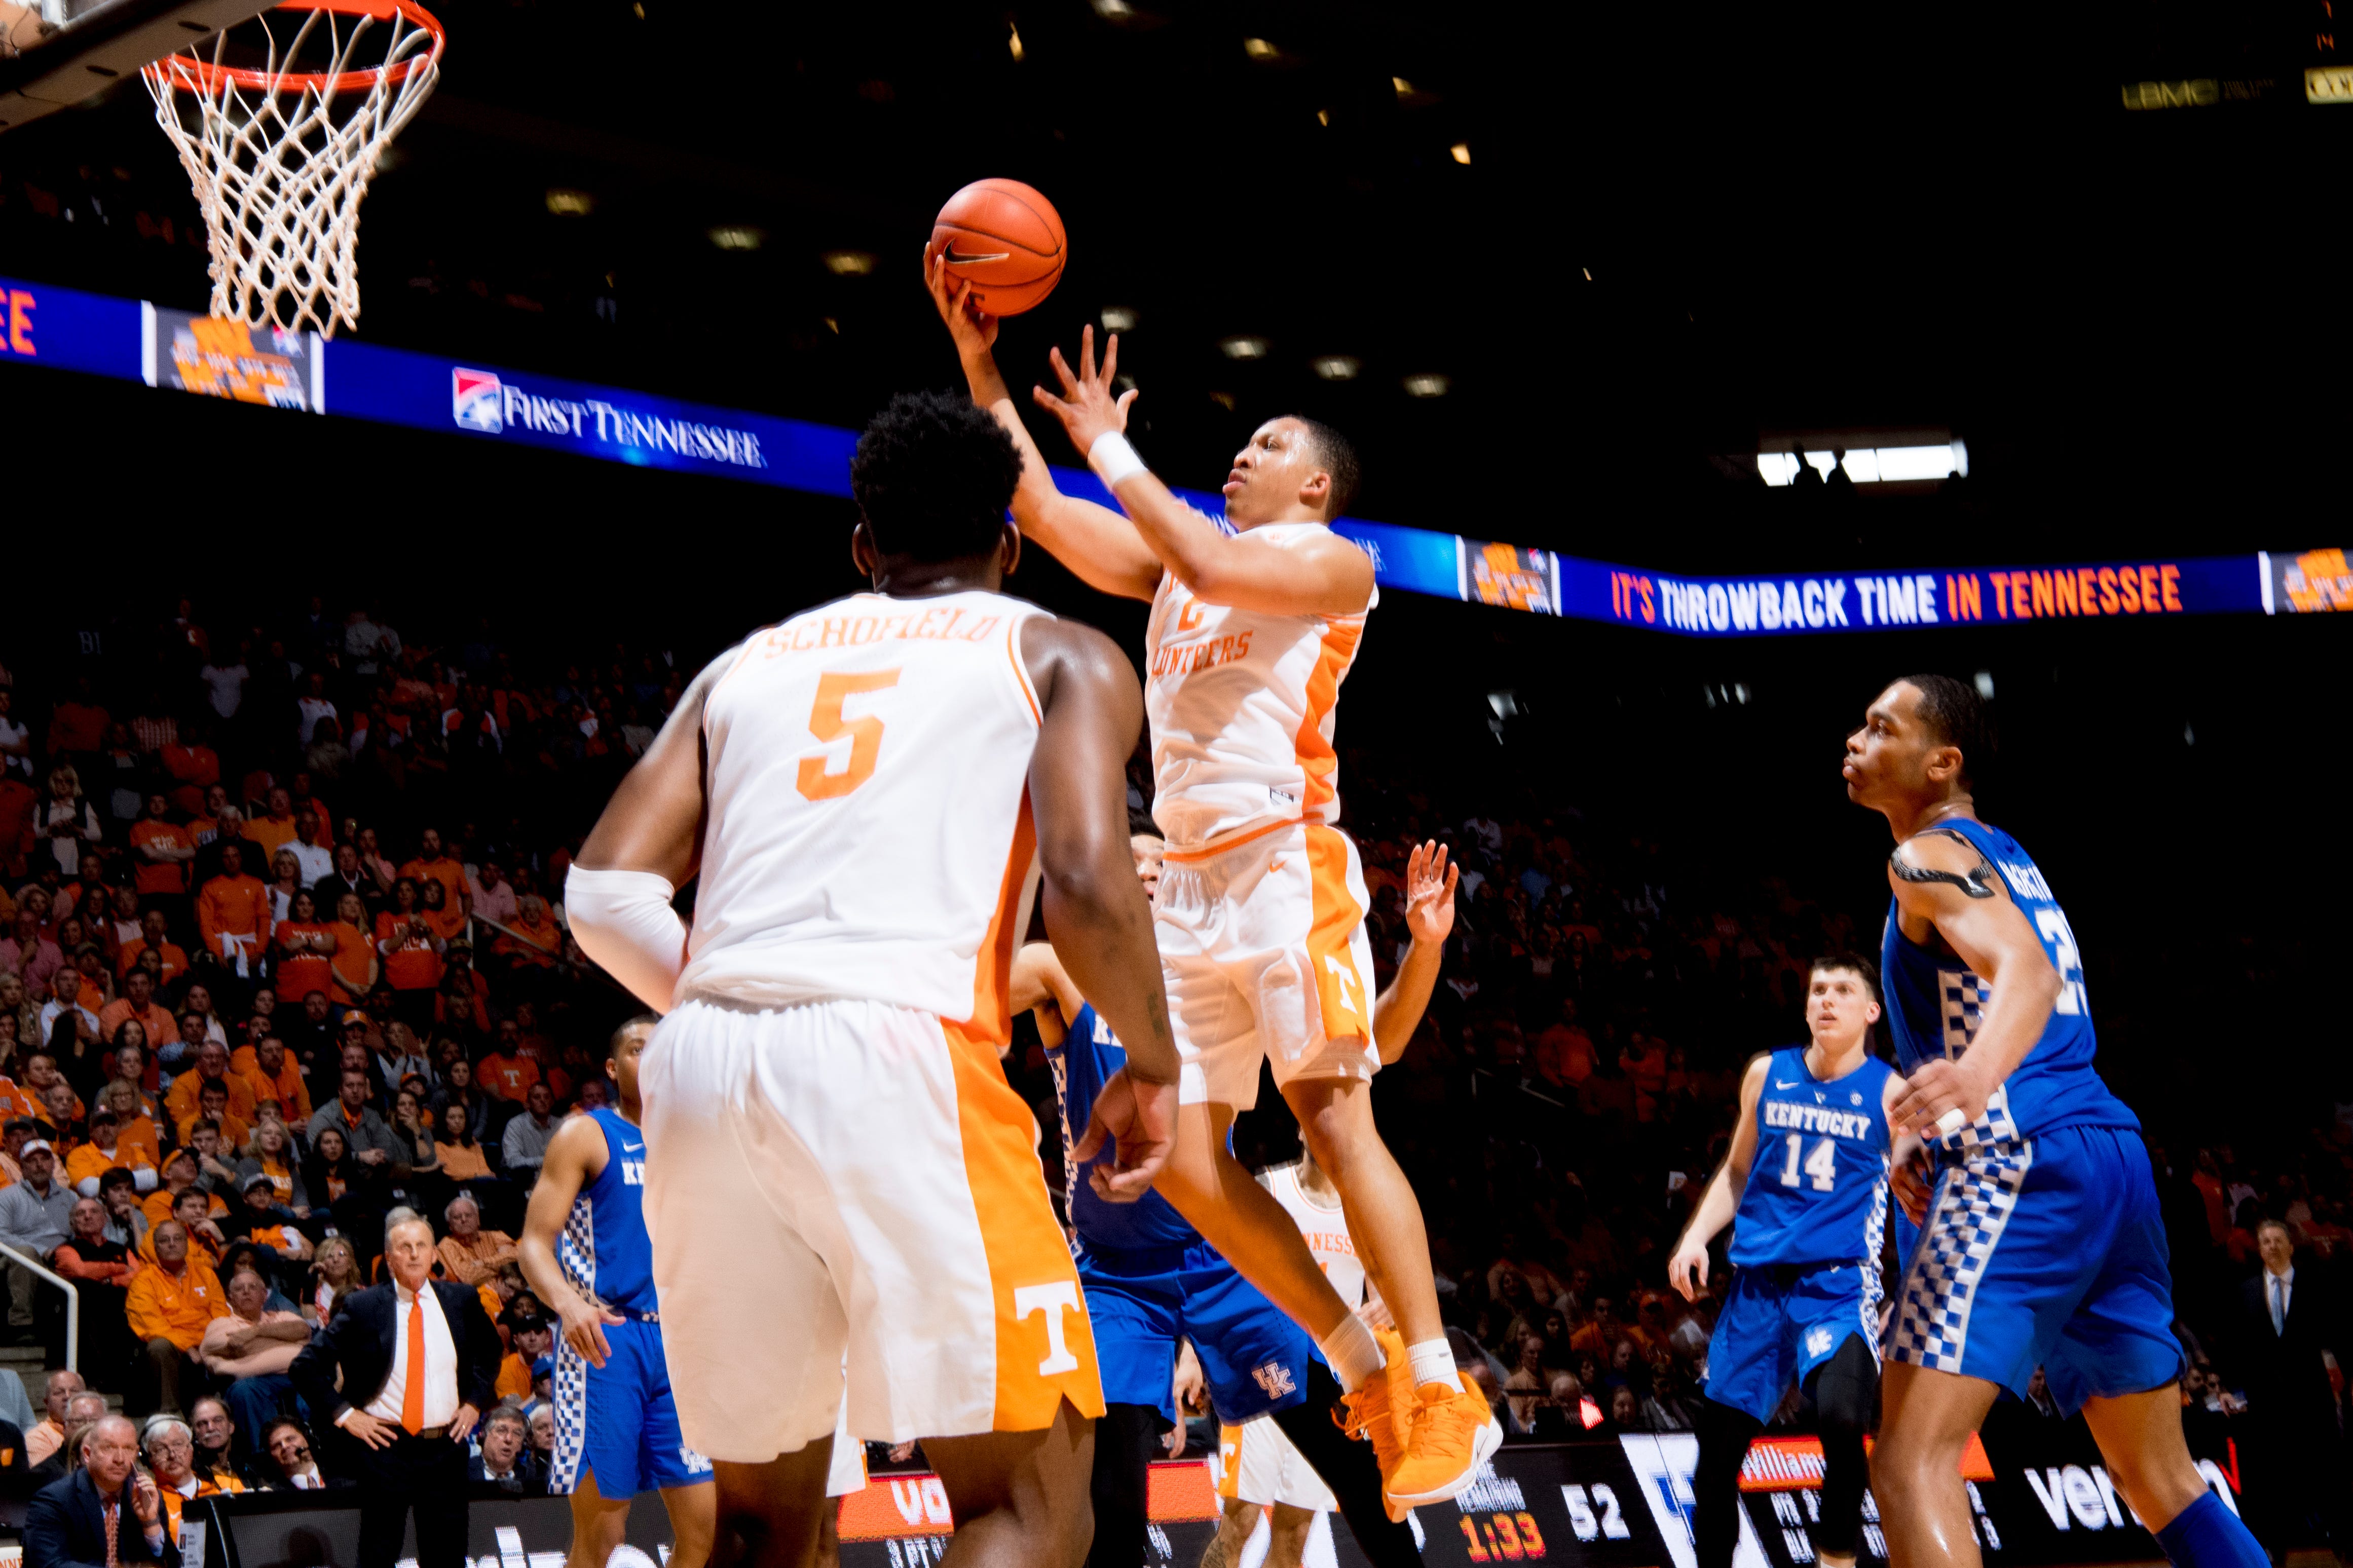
(1451, 1434)
(1382, 1410)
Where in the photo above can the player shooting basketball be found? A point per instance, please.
(1260, 912)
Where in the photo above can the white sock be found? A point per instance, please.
(1433, 1362)
(1354, 1355)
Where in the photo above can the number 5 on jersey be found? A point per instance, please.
(826, 723)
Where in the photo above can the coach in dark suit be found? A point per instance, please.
(70, 1523)
(2295, 1470)
(419, 1360)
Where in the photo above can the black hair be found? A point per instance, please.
(1338, 458)
(934, 475)
(1854, 963)
(1957, 716)
(612, 1041)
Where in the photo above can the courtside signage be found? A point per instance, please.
(129, 340)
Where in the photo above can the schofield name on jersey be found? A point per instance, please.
(858, 630)
(1816, 1119)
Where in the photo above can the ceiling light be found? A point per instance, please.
(1243, 348)
(1014, 44)
(1338, 367)
(1260, 49)
(738, 237)
(1114, 10)
(1404, 88)
(849, 263)
(1224, 400)
(570, 203)
(1322, 117)
(1462, 151)
(1427, 386)
(1119, 318)
(1870, 464)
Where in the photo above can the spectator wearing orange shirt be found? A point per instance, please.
(230, 1131)
(469, 1253)
(78, 724)
(153, 937)
(411, 953)
(105, 1151)
(1563, 1051)
(161, 849)
(134, 1115)
(271, 1072)
(41, 1076)
(433, 861)
(355, 963)
(305, 948)
(275, 827)
(442, 912)
(507, 1072)
(233, 913)
(212, 1066)
(101, 1271)
(137, 1004)
(18, 802)
(537, 941)
(194, 768)
(169, 1307)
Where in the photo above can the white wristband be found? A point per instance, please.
(1113, 460)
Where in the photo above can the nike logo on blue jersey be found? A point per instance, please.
(633, 1147)
(1779, 1084)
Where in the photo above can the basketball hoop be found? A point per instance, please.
(281, 157)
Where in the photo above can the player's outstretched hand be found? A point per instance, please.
(1687, 1270)
(1429, 893)
(1087, 407)
(584, 1330)
(1936, 1089)
(974, 330)
(1139, 1117)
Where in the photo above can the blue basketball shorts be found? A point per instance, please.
(1142, 1301)
(2043, 1251)
(619, 1421)
(1780, 1322)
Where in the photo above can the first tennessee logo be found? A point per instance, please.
(477, 401)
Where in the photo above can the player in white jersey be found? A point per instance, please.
(1255, 621)
(837, 1168)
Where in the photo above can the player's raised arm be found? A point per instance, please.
(1942, 881)
(642, 849)
(1095, 910)
(575, 1156)
(1687, 1270)
(1429, 919)
(1094, 541)
(1327, 576)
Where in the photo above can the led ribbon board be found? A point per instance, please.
(129, 340)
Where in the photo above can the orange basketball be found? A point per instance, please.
(1005, 240)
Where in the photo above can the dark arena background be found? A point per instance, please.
(1711, 367)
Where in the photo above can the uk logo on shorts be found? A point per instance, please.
(1275, 1378)
(477, 402)
(1817, 1343)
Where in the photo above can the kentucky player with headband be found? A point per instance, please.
(2042, 1243)
(586, 1253)
(1808, 1172)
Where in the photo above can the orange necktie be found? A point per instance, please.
(412, 1394)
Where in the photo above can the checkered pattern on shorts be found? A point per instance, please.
(1974, 1203)
(1965, 998)
(576, 1251)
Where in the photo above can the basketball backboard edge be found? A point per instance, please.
(105, 43)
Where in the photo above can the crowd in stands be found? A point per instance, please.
(284, 950)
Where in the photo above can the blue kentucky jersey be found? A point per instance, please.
(604, 1251)
(1085, 1060)
(1817, 1188)
(1934, 1003)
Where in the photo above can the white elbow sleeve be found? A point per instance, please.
(623, 920)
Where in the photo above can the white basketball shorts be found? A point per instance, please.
(852, 1184)
(1263, 950)
(1261, 1465)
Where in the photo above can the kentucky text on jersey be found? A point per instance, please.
(1815, 1119)
(1085, 1060)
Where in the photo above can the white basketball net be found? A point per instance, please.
(281, 160)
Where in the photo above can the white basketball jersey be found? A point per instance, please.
(1241, 706)
(869, 832)
(1325, 1230)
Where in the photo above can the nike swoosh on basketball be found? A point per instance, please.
(958, 258)
(1779, 1084)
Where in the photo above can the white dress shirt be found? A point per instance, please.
(441, 1364)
